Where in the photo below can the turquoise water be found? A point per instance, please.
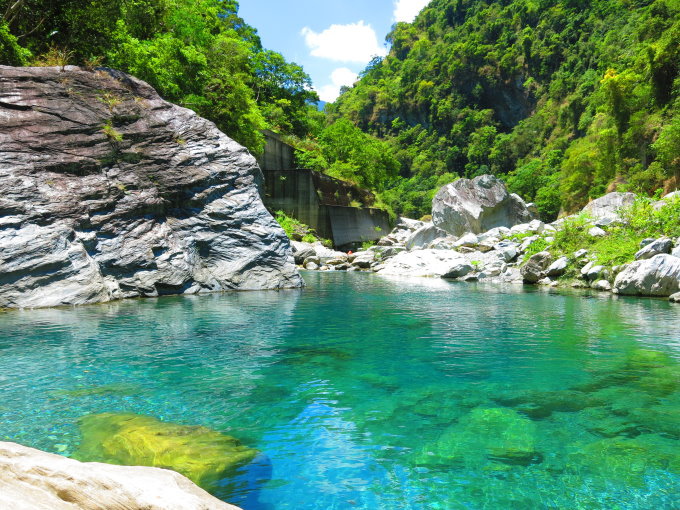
(369, 393)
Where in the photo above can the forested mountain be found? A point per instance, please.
(197, 53)
(565, 99)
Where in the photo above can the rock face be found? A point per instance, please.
(477, 205)
(35, 480)
(658, 276)
(109, 192)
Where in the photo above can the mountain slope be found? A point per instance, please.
(565, 99)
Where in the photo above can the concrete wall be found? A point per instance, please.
(277, 154)
(304, 194)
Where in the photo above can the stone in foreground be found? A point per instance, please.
(109, 192)
(477, 205)
(34, 480)
(203, 455)
(658, 276)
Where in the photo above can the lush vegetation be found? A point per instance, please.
(196, 53)
(622, 239)
(566, 99)
(298, 231)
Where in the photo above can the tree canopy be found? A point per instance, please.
(196, 53)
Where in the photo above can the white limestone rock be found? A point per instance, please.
(656, 247)
(477, 205)
(422, 263)
(657, 276)
(34, 480)
(609, 206)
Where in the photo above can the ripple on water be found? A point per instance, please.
(365, 392)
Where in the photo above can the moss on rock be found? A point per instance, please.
(201, 454)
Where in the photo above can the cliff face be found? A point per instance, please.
(107, 192)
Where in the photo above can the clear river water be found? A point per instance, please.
(362, 392)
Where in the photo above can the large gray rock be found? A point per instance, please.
(535, 267)
(658, 276)
(608, 207)
(34, 480)
(423, 263)
(107, 192)
(477, 205)
(656, 247)
(424, 236)
(557, 268)
(302, 250)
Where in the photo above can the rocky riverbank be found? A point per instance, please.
(567, 252)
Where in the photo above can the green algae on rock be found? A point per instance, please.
(201, 454)
(626, 460)
(487, 433)
(120, 389)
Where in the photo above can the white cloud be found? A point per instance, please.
(339, 77)
(355, 42)
(407, 10)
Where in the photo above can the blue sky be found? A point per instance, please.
(332, 40)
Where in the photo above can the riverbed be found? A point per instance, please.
(365, 392)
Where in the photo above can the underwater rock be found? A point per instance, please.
(203, 455)
(541, 404)
(487, 433)
(625, 460)
(34, 480)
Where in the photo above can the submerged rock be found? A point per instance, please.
(109, 192)
(477, 205)
(35, 480)
(203, 455)
(626, 460)
(499, 434)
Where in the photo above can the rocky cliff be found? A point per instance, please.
(108, 192)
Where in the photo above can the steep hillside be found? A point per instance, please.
(564, 99)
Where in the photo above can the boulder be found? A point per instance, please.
(596, 232)
(203, 455)
(675, 195)
(656, 247)
(34, 480)
(423, 236)
(364, 259)
(458, 270)
(477, 205)
(558, 267)
(422, 263)
(609, 206)
(468, 240)
(601, 285)
(109, 192)
(535, 267)
(325, 254)
(658, 276)
(301, 251)
(674, 298)
(497, 434)
(508, 250)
